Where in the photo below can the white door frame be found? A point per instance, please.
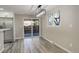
(32, 27)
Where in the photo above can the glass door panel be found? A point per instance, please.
(27, 28)
(35, 27)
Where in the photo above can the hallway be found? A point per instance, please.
(33, 45)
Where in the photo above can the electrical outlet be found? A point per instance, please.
(70, 44)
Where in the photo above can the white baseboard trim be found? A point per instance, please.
(48, 40)
(62, 48)
(1, 50)
(17, 38)
(52, 42)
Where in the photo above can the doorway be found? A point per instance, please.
(31, 34)
(31, 27)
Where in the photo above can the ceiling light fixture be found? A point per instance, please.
(40, 10)
(41, 13)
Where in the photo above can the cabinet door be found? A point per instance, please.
(1, 41)
(8, 36)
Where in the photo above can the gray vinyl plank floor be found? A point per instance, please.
(32, 45)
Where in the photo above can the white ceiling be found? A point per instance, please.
(18, 9)
(23, 9)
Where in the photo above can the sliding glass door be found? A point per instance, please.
(31, 27)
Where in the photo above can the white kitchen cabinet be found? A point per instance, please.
(1, 41)
(2, 38)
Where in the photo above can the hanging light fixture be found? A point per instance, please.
(40, 11)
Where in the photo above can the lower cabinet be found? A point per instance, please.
(1, 41)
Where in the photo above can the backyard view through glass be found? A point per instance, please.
(31, 27)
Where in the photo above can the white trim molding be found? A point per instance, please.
(18, 38)
(62, 47)
(52, 42)
(58, 45)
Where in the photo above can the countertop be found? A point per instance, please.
(5, 29)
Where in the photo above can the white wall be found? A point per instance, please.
(67, 35)
(19, 25)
